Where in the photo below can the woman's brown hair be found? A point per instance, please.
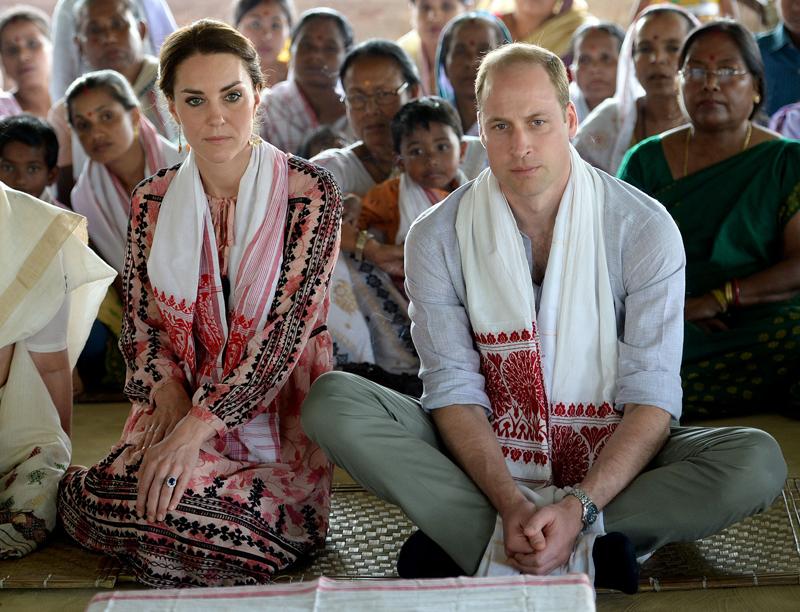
(204, 37)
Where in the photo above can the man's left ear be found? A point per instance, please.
(463, 150)
(572, 119)
(142, 27)
(481, 134)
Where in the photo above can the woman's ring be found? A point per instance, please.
(171, 482)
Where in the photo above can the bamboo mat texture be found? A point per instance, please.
(366, 534)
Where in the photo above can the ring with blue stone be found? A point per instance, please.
(171, 482)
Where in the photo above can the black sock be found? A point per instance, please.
(615, 565)
(421, 557)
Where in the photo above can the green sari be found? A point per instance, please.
(732, 216)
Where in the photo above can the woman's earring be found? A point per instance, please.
(180, 141)
(255, 140)
(757, 98)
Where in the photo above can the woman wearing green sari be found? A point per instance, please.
(733, 188)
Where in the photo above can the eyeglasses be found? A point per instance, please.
(384, 99)
(700, 75)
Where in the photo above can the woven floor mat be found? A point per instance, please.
(760, 550)
(61, 564)
(366, 534)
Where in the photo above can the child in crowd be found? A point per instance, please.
(321, 139)
(28, 155)
(427, 138)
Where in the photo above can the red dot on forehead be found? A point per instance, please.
(712, 57)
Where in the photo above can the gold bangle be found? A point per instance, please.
(363, 237)
(729, 293)
(720, 297)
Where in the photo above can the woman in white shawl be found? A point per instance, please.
(123, 148)
(51, 285)
(646, 98)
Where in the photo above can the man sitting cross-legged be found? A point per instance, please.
(547, 307)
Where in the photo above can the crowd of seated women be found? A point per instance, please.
(216, 216)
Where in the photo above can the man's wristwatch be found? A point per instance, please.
(590, 511)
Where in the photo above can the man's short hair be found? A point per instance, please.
(32, 131)
(421, 113)
(527, 55)
(80, 8)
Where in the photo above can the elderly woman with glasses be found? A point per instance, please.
(733, 188)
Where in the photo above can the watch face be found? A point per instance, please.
(591, 514)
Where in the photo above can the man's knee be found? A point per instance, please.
(762, 468)
(319, 408)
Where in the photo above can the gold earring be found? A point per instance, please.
(180, 142)
(757, 98)
(255, 140)
(557, 7)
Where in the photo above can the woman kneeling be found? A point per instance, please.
(227, 266)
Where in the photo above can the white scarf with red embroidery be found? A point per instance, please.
(551, 376)
(184, 271)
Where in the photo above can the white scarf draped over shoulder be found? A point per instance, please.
(100, 197)
(45, 262)
(413, 200)
(184, 271)
(550, 376)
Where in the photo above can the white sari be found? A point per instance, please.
(45, 262)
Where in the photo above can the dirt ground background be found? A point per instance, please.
(370, 18)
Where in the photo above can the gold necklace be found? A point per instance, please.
(688, 139)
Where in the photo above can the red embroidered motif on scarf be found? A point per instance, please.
(241, 330)
(567, 437)
(207, 328)
(178, 318)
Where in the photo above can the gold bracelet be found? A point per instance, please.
(729, 293)
(720, 297)
(363, 237)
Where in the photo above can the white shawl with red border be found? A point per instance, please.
(185, 275)
(551, 375)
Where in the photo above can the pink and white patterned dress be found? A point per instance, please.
(238, 522)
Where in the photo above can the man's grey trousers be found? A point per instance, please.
(703, 480)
